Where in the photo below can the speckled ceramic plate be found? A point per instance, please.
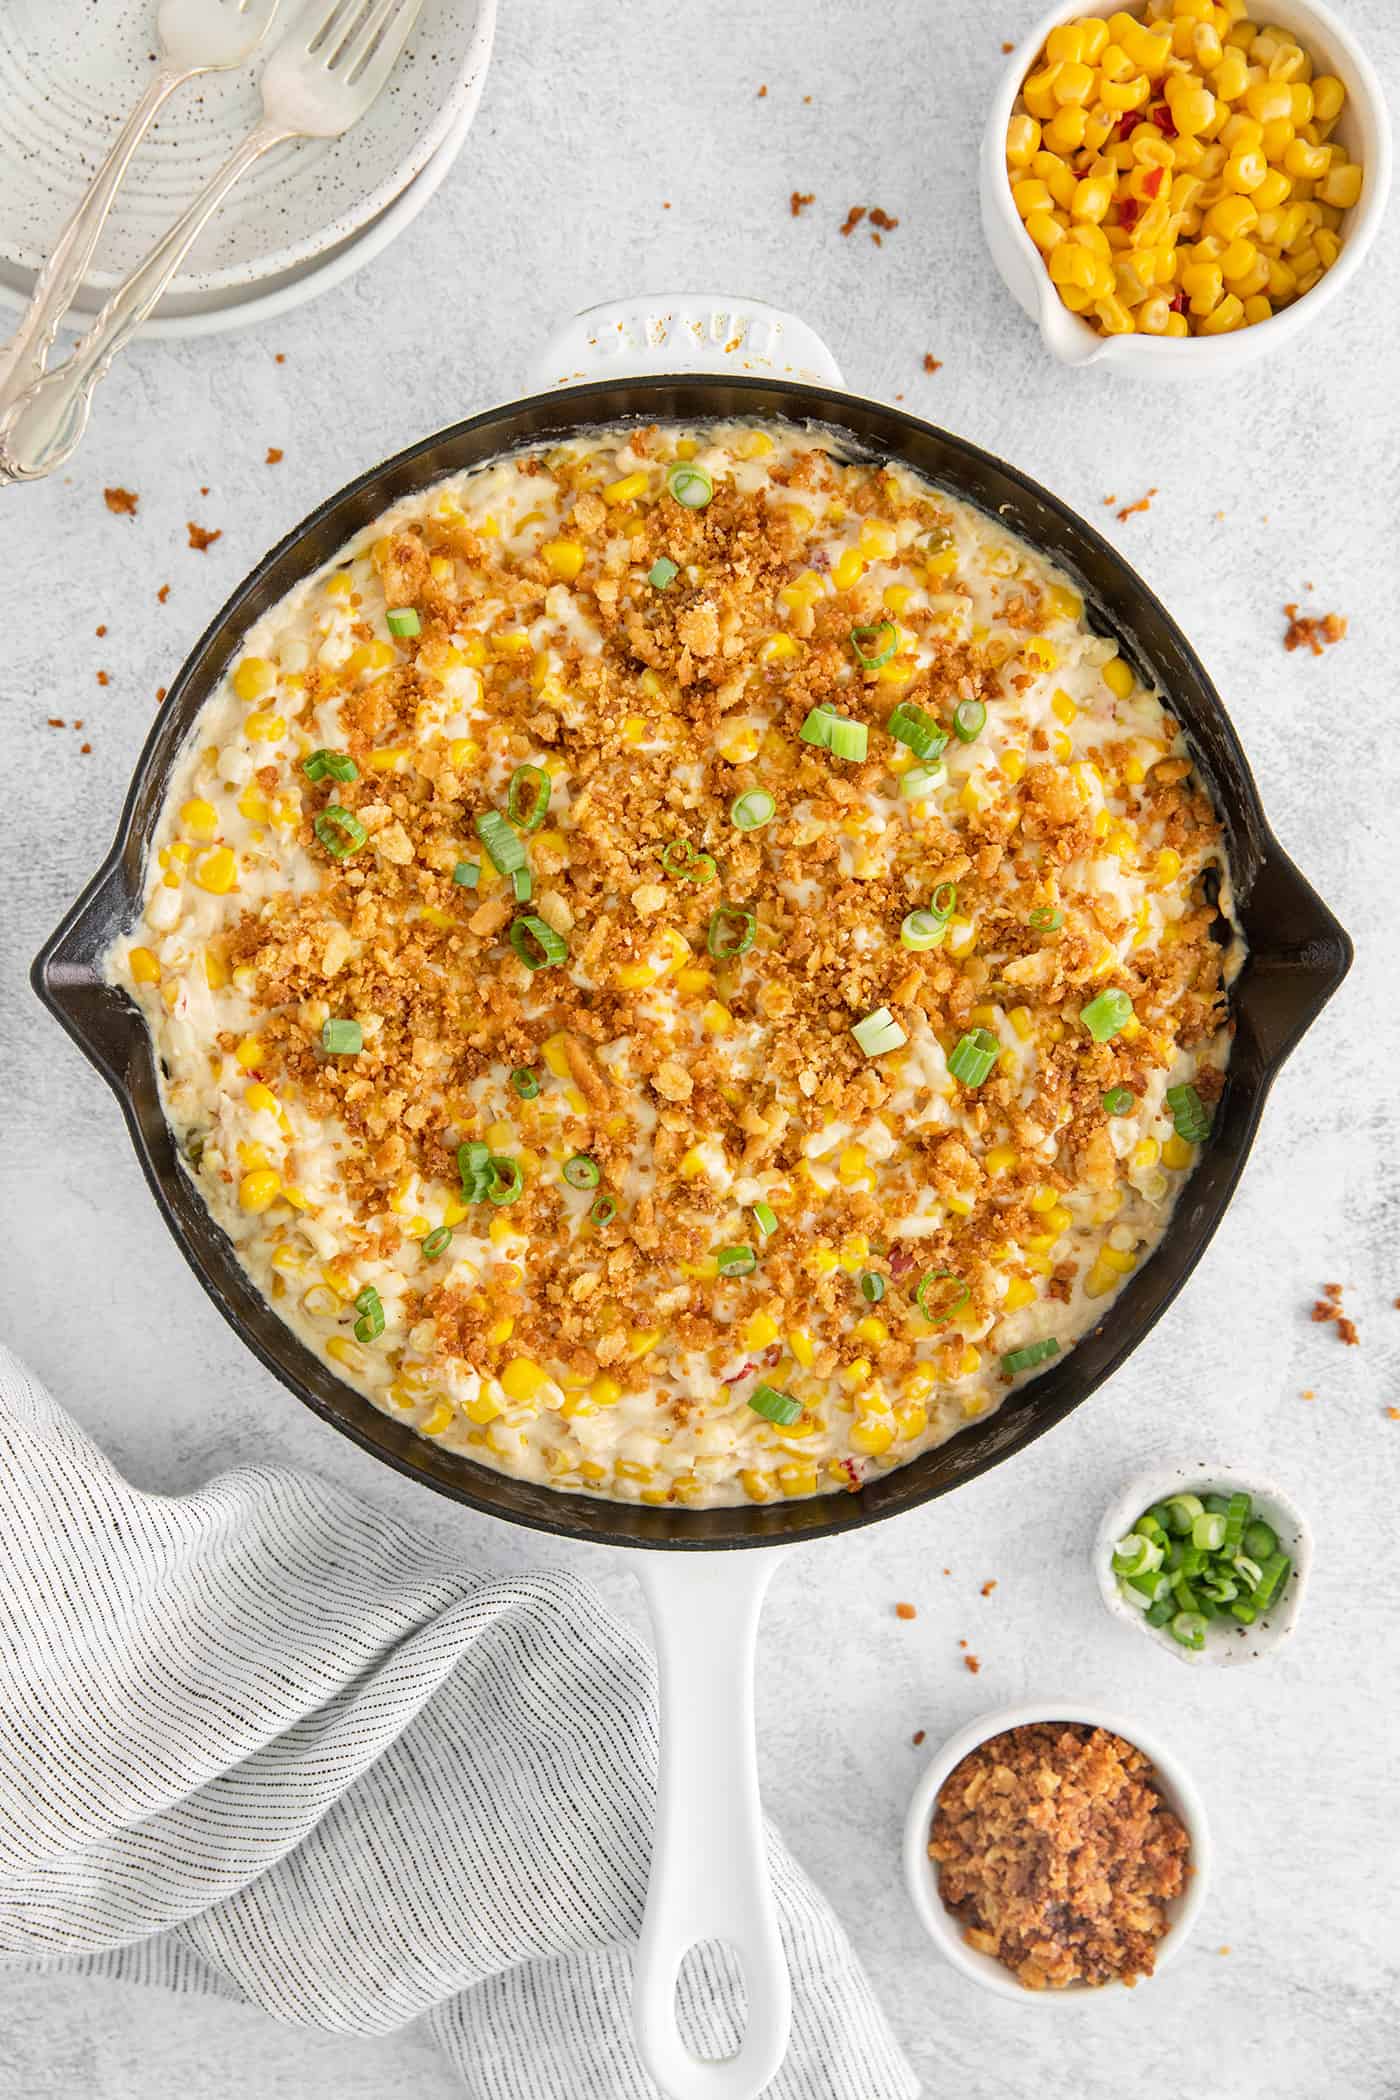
(69, 72)
(188, 313)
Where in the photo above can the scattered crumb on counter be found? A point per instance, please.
(932, 363)
(1222, 1950)
(970, 1662)
(160, 694)
(57, 722)
(853, 218)
(947, 1571)
(162, 594)
(104, 678)
(806, 98)
(919, 1734)
(1393, 1414)
(1308, 1393)
(665, 204)
(1057, 1854)
(199, 537)
(85, 749)
(280, 358)
(886, 224)
(1007, 48)
(1329, 1308)
(205, 490)
(121, 502)
(763, 91)
(275, 455)
(1130, 510)
(1109, 501)
(799, 200)
(906, 1611)
(988, 1587)
(100, 631)
(1396, 1303)
(1306, 631)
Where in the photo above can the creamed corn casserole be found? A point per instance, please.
(669, 959)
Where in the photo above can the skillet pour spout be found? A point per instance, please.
(1296, 953)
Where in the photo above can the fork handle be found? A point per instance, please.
(22, 360)
(43, 427)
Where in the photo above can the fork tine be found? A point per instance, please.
(315, 24)
(379, 42)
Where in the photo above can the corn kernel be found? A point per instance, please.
(217, 871)
(144, 967)
(872, 1437)
(1177, 1153)
(259, 1190)
(627, 490)
(1118, 677)
(254, 679)
(872, 1330)
(1019, 1292)
(800, 1344)
(523, 1380)
(848, 569)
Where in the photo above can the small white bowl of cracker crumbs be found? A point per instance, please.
(1225, 1641)
(1131, 1903)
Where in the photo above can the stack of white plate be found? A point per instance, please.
(307, 216)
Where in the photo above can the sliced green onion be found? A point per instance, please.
(604, 1209)
(500, 840)
(1151, 1529)
(474, 1166)
(1236, 1517)
(1182, 1512)
(731, 932)
(582, 1171)
(1248, 1570)
(437, 1242)
(505, 1181)
(1133, 1594)
(1188, 1629)
(753, 808)
(1208, 1532)
(774, 1406)
(1244, 1611)
(1190, 1116)
(1159, 1613)
(1119, 1101)
(1045, 918)
(1107, 1015)
(1136, 1555)
(528, 934)
(339, 832)
(969, 720)
(920, 929)
(973, 1056)
(679, 858)
(848, 739)
(875, 644)
(879, 1033)
(370, 1324)
(1152, 1585)
(527, 797)
(765, 1218)
(525, 1082)
(1033, 1353)
(916, 728)
(1260, 1540)
(662, 571)
(330, 765)
(816, 728)
(689, 484)
(403, 620)
(944, 901)
(467, 874)
(735, 1261)
(342, 1038)
(1218, 1505)
(522, 882)
(872, 1286)
(922, 780)
(938, 1306)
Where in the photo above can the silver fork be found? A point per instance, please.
(196, 36)
(320, 80)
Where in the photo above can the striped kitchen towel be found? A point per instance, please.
(264, 1742)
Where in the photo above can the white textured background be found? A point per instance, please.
(593, 115)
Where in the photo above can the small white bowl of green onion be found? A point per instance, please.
(1210, 1563)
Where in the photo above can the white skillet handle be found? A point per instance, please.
(709, 1863)
(682, 332)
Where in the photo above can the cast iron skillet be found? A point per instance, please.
(1298, 954)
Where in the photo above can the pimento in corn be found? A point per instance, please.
(1178, 170)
